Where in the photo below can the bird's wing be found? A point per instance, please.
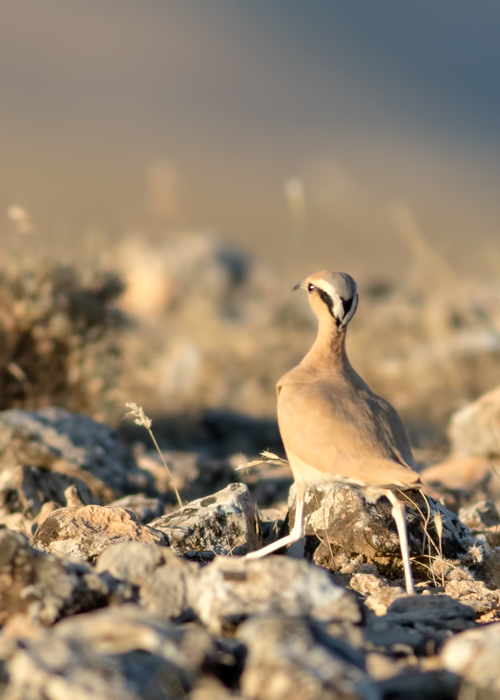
(340, 431)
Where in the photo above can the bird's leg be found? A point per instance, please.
(399, 515)
(296, 534)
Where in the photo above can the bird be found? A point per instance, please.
(333, 426)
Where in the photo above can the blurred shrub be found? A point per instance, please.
(59, 337)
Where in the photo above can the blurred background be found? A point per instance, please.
(168, 169)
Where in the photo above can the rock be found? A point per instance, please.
(474, 429)
(479, 516)
(146, 509)
(475, 594)
(367, 583)
(122, 652)
(379, 601)
(73, 498)
(468, 474)
(473, 655)
(224, 523)
(231, 589)
(340, 522)
(211, 689)
(288, 659)
(163, 579)
(85, 532)
(74, 445)
(421, 623)
(26, 489)
(44, 588)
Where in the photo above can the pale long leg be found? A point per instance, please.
(296, 534)
(399, 515)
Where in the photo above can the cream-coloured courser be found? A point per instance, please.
(334, 428)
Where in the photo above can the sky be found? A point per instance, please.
(158, 115)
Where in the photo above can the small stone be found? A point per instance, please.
(474, 594)
(367, 583)
(381, 600)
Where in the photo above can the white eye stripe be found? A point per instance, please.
(337, 306)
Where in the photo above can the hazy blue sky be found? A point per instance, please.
(105, 102)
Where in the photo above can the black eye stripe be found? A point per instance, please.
(328, 301)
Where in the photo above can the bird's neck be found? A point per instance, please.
(328, 349)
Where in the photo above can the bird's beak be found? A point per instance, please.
(299, 285)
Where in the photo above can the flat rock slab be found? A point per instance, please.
(43, 588)
(339, 522)
(224, 523)
(420, 622)
(74, 445)
(288, 660)
(163, 579)
(122, 652)
(85, 532)
(231, 589)
(473, 655)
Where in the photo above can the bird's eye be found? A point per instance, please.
(310, 287)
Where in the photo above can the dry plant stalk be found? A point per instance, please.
(267, 458)
(140, 418)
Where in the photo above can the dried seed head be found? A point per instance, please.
(137, 413)
(438, 521)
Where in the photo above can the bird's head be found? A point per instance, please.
(331, 293)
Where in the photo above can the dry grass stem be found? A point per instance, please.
(140, 418)
(267, 458)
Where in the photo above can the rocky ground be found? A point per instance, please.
(109, 590)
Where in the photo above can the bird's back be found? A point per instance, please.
(333, 424)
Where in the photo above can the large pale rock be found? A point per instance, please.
(224, 523)
(44, 588)
(474, 655)
(231, 589)
(344, 523)
(163, 579)
(74, 445)
(475, 429)
(121, 653)
(288, 659)
(85, 532)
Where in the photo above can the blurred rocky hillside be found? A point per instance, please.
(191, 324)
